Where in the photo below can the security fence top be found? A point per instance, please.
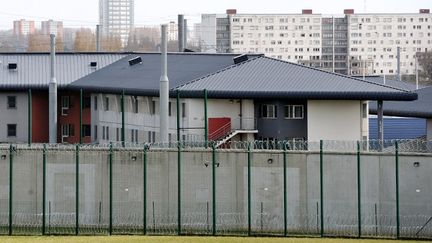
(328, 146)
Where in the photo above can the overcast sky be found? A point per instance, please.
(76, 13)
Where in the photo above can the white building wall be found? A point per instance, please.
(289, 37)
(334, 120)
(18, 116)
(429, 129)
(208, 33)
(374, 38)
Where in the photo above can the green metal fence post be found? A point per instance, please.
(11, 150)
(77, 160)
(397, 190)
(359, 191)
(249, 158)
(178, 116)
(145, 191)
(178, 189)
(214, 187)
(29, 119)
(44, 160)
(81, 117)
(285, 202)
(321, 190)
(205, 118)
(123, 118)
(110, 188)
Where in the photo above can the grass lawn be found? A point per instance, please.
(173, 239)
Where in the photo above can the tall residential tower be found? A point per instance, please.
(116, 17)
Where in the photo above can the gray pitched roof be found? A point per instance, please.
(144, 78)
(34, 68)
(422, 107)
(263, 77)
(391, 82)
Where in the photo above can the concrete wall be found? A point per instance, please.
(334, 120)
(378, 190)
(18, 116)
(429, 129)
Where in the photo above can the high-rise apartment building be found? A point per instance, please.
(52, 27)
(116, 17)
(353, 44)
(23, 27)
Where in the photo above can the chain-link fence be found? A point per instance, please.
(327, 188)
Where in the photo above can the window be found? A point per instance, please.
(294, 112)
(135, 104)
(86, 130)
(95, 132)
(11, 130)
(169, 108)
(65, 104)
(107, 132)
(106, 104)
(95, 104)
(183, 110)
(134, 135)
(68, 130)
(153, 107)
(117, 134)
(151, 137)
(269, 111)
(364, 110)
(11, 102)
(86, 102)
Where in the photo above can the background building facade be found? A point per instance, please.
(52, 27)
(23, 27)
(353, 44)
(117, 17)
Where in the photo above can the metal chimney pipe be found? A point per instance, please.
(164, 88)
(398, 64)
(52, 94)
(98, 38)
(185, 33)
(180, 31)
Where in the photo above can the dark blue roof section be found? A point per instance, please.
(422, 107)
(144, 78)
(264, 77)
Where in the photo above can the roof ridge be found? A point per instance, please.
(338, 74)
(217, 72)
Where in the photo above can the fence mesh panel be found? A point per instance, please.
(196, 192)
(128, 190)
(60, 190)
(267, 187)
(415, 207)
(27, 191)
(93, 191)
(4, 190)
(231, 193)
(378, 203)
(340, 194)
(162, 207)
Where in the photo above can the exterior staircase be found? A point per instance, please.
(230, 135)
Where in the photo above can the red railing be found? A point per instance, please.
(221, 131)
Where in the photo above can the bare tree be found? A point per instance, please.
(84, 40)
(425, 64)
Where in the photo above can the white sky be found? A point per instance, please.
(77, 13)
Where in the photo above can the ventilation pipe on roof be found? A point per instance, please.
(180, 31)
(98, 38)
(52, 94)
(164, 86)
(185, 33)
